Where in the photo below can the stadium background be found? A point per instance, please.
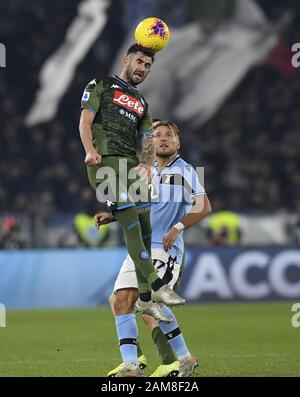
(229, 83)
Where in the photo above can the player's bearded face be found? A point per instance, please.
(137, 68)
(165, 141)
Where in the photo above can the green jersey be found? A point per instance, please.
(121, 113)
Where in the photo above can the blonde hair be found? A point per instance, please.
(173, 127)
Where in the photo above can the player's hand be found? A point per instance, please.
(144, 172)
(102, 218)
(169, 238)
(92, 158)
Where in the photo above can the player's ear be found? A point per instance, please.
(125, 61)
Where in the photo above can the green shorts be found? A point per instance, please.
(115, 180)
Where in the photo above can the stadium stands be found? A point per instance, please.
(249, 149)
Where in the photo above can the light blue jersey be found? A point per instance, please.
(174, 188)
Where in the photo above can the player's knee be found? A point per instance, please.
(132, 298)
(121, 304)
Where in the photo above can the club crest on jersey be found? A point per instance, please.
(128, 102)
(144, 255)
(168, 178)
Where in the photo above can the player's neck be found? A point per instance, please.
(164, 161)
(123, 77)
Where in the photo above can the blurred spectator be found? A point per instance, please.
(10, 234)
(224, 229)
(249, 149)
(89, 235)
(84, 233)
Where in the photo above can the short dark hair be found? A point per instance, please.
(136, 48)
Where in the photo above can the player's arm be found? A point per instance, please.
(90, 104)
(201, 208)
(104, 217)
(86, 136)
(145, 132)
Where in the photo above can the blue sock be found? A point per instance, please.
(127, 334)
(174, 335)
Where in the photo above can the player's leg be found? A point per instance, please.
(122, 306)
(122, 303)
(172, 271)
(145, 222)
(170, 363)
(111, 185)
(174, 336)
(125, 301)
(114, 190)
(129, 221)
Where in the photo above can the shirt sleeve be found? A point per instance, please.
(91, 97)
(145, 125)
(192, 185)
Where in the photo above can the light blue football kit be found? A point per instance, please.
(173, 190)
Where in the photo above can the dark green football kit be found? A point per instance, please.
(121, 115)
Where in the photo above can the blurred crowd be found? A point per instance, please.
(249, 149)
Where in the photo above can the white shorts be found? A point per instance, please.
(164, 265)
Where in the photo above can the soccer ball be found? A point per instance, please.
(153, 34)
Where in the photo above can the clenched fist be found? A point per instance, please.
(92, 158)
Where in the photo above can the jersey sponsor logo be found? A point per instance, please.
(128, 102)
(129, 115)
(85, 96)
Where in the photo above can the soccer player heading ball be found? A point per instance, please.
(113, 113)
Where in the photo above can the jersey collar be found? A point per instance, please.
(168, 165)
(127, 85)
(173, 161)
